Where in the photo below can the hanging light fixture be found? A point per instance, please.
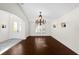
(40, 21)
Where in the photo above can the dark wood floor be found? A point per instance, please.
(39, 45)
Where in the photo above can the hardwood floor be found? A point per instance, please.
(39, 45)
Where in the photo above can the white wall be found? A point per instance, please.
(20, 33)
(14, 8)
(4, 18)
(69, 36)
(8, 19)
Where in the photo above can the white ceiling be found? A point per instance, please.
(50, 11)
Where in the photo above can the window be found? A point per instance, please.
(15, 27)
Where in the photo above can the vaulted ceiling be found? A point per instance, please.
(50, 11)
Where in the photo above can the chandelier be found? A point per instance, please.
(40, 21)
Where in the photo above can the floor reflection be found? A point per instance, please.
(40, 44)
(18, 49)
